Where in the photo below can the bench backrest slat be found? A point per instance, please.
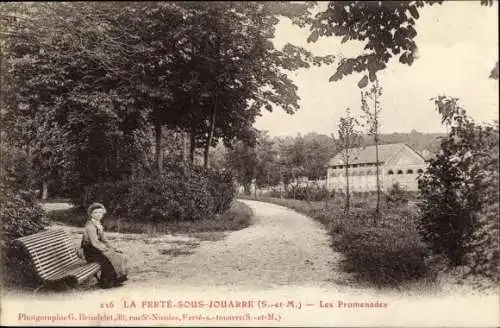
(37, 243)
(44, 248)
(41, 235)
(55, 260)
(51, 251)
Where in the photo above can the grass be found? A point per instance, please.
(55, 200)
(175, 252)
(238, 216)
(331, 212)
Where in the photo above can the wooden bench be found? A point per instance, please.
(54, 258)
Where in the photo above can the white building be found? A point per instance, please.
(397, 163)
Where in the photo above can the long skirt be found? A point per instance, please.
(113, 265)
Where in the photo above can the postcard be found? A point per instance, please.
(250, 164)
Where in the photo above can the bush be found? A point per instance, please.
(171, 196)
(396, 195)
(20, 216)
(309, 192)
(384, 257)
(114, 195)
(221, 187)
(273, 193)
(483, 256)
(179, 194)
(460, 185)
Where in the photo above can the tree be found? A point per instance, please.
(460, 192)
(494, 72)
(266, 170)
(145, 74)
(242, 160)
(348, 140)
(217, 157)
(234, 70)
(47, 44)
(370, 106)
(215, 65)
(48, 154)
(206, 70)
(306, 154)
(387, 28)
(319, 150)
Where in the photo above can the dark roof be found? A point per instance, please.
(363, 155)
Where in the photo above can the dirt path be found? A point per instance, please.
(281, 248)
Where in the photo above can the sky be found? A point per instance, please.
(457, 48)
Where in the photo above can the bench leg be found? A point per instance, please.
(35, 291)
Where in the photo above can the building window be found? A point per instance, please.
(420, 171)
(409, 171)
(400, 172)
(369, 172)
(391, 172)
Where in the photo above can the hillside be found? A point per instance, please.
(417, 140)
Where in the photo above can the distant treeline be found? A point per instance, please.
(285, 158)
(417, 140)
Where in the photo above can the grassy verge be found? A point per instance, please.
(239, 216)
(389, 253)
(54, 200)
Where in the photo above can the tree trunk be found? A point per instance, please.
(45, 190)
(185, 146)
(117, 155)
(347, 193)
(246, 189)
(210, 134)
(281, 182)
(192, 145)
(377, 210)
(158, 147)
(206, 152)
